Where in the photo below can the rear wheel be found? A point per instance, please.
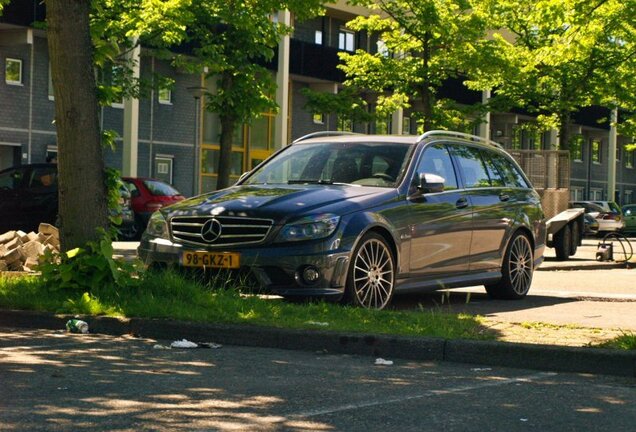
(562, 243)
(516, 272)
(574, 237)
(371, 276)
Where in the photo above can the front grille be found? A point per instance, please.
(233, 230)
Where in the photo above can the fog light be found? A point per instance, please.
(310, 275)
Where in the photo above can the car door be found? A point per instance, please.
(491, 201)
(440, 222)
(11, 181)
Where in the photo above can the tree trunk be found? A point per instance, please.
(565, 119)
(228, 123)
(82, 191)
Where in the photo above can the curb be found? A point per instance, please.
(505, 354)
(592, 266)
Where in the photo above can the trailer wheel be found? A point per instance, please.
(562, 243)
(574, 234)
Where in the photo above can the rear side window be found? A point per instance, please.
(494, 173)
(158, 188)
(472, 167)
(510, 173)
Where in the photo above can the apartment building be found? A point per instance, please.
(169, 135)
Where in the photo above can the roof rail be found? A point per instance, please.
(443, 133)
(322, 134)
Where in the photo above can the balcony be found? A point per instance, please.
(315, 61)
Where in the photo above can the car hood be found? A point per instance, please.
(282, 202)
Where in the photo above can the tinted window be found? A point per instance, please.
(436, 160)
(43, 179)
(134, 191)
(494, 173)
(472, 167)
(510, 173)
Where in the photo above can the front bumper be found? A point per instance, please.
(277, 269)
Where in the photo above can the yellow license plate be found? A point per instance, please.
(226, 260)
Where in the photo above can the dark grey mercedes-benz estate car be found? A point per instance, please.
(363, 217)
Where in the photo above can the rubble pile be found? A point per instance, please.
(20, 251)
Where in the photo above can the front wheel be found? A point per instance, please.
(516, 271)
(371, 276)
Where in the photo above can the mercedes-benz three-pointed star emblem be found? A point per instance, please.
(211, 230)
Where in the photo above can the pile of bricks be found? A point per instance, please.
(20, 251)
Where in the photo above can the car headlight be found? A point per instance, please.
(309, 228)
(157, 226)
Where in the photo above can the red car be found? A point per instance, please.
(149, 195)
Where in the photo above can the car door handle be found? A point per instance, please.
(461, 203)
(503, 197)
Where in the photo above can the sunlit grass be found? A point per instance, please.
(171, 295)
(626, 341)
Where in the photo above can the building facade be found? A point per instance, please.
(168, 134)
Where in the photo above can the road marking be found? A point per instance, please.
(430, 393)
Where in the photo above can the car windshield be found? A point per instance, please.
(360, 163)
(589, 207)
(159, 188)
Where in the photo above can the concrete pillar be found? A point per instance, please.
(282, 85)
(397, 122)
(611, 159)
(131, 119)
(484, 127)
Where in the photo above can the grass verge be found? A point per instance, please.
(170, 295)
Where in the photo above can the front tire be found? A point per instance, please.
(371, 276)
(517, 270)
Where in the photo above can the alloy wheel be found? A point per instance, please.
(373, 274)
(520, 265)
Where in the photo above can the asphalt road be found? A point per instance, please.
(58, 381)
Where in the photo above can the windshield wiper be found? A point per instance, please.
(310, 181)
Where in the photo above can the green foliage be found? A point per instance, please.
(348, 103)
(626, 341)
(91, 269)
(423, 43)
(555, 57)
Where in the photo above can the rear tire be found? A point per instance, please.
(574, 240)
(371, 276)
(517, 270)
(562, 243)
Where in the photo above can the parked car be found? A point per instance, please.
(629, 215)
(607, 213)
(590, 225)
(28, 197)
(360, 217)
(148, 196)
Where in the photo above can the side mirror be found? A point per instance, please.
(430, 183)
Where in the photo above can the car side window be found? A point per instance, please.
(11, 179)
(134, 191)
(510, 172)
(437, 160)
(43, 179)
(472, 166)
(494, 173)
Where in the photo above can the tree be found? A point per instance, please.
(81, 183)
(422, 43)
(560, 56)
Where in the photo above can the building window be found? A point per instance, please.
(576, 148)
(319, 118)
(346, 40)
(596, 151)
(163, 168)
(596, 194)
(628, 197)
(576, 194)
(318, 37)
(382, 49)
(13, 72)
(629, 159)
(165, 96)
(406, 126)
